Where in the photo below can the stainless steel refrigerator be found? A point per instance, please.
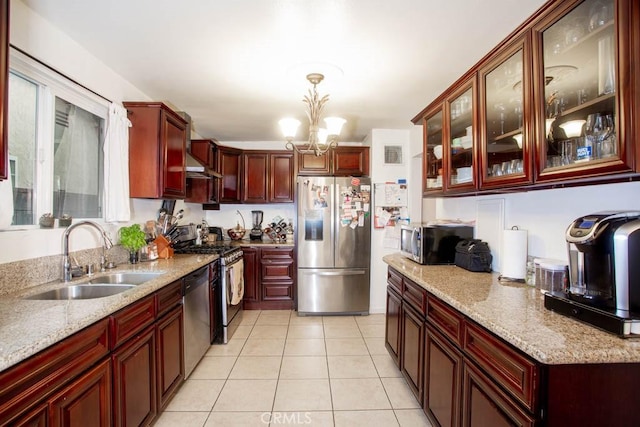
(334, 245)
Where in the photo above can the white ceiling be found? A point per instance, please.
(238, 66)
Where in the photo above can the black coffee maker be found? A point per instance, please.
(604, 260)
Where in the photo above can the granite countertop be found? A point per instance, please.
(516, 313)
(28, 326)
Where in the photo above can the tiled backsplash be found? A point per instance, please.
(18, 275)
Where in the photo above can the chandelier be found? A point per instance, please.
(320, 139)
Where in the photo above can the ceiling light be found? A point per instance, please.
(320, 139)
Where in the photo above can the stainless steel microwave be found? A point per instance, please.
(432, 244)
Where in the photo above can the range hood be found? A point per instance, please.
(197, 170)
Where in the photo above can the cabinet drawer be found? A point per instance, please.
(394, 279)
(415, 295)
(130, 320)
(445, 319)
(277, 291)
(510, 369)
(279, 254)
(168, 297)
(276, 271)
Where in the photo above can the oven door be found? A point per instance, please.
(233, 286)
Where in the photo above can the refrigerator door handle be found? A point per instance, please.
(340, 273)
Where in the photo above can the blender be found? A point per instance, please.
(256, 231)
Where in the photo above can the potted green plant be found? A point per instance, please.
(132, 238)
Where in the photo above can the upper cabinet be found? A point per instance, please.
(4, 95)
(228, 163)
(505, 117)
(268, 177)
(582, 67)
(433, 151)
(339, 161)
(556, 104)
(459, 138)
(204, 191)
(157, 144)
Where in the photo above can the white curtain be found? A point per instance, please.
(6, 202)
(76, 158)
(116, 165)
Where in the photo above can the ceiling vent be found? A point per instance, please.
(393, 154)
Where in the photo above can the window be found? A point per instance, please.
(56, 136)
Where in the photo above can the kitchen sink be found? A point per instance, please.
(126, 278)
(81, 292)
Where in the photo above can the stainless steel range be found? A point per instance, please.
(226, 296)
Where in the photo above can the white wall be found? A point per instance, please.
(545, 214)
(409, 139)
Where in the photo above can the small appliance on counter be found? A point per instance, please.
(256, 231)
(604, 273)
(432, 244)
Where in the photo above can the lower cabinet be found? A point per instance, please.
(442, 379)
(468, 376)
(269, 278)
(413, 349)
(169, 355)
(84, 402)
(134, 380)
(120, 371)
(392, 327)
(483, 403)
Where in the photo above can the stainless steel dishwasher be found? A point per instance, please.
(196, 318)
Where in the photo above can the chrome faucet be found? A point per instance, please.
(66, 264)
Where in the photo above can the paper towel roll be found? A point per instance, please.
(514, 254)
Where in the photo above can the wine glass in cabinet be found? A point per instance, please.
(578, 67)
(505, 88)
(432, 167)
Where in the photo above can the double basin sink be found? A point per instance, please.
(97, 287)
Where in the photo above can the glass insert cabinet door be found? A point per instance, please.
(433, 168)
(579, 78)
(460, 142)
(503, 119)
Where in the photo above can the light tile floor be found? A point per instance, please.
(281, 369)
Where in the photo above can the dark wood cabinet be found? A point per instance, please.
(157, 147)
(555, 107)
(256, 177)
(268, 177)
(392, 326)
(277, 277)
(485, 404)
(281, 182)
(4, 93)
(169, 355)
(442, 379)
(215, 302)
(199, 190)
(472, 377)
(251, 262)
(28, 388)
(310, 164)
(84, 402)
(269, 274)
(230, 166)
(350, 161)
(339, 161)
(412, 354)
(134, 380)
(122, 370)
